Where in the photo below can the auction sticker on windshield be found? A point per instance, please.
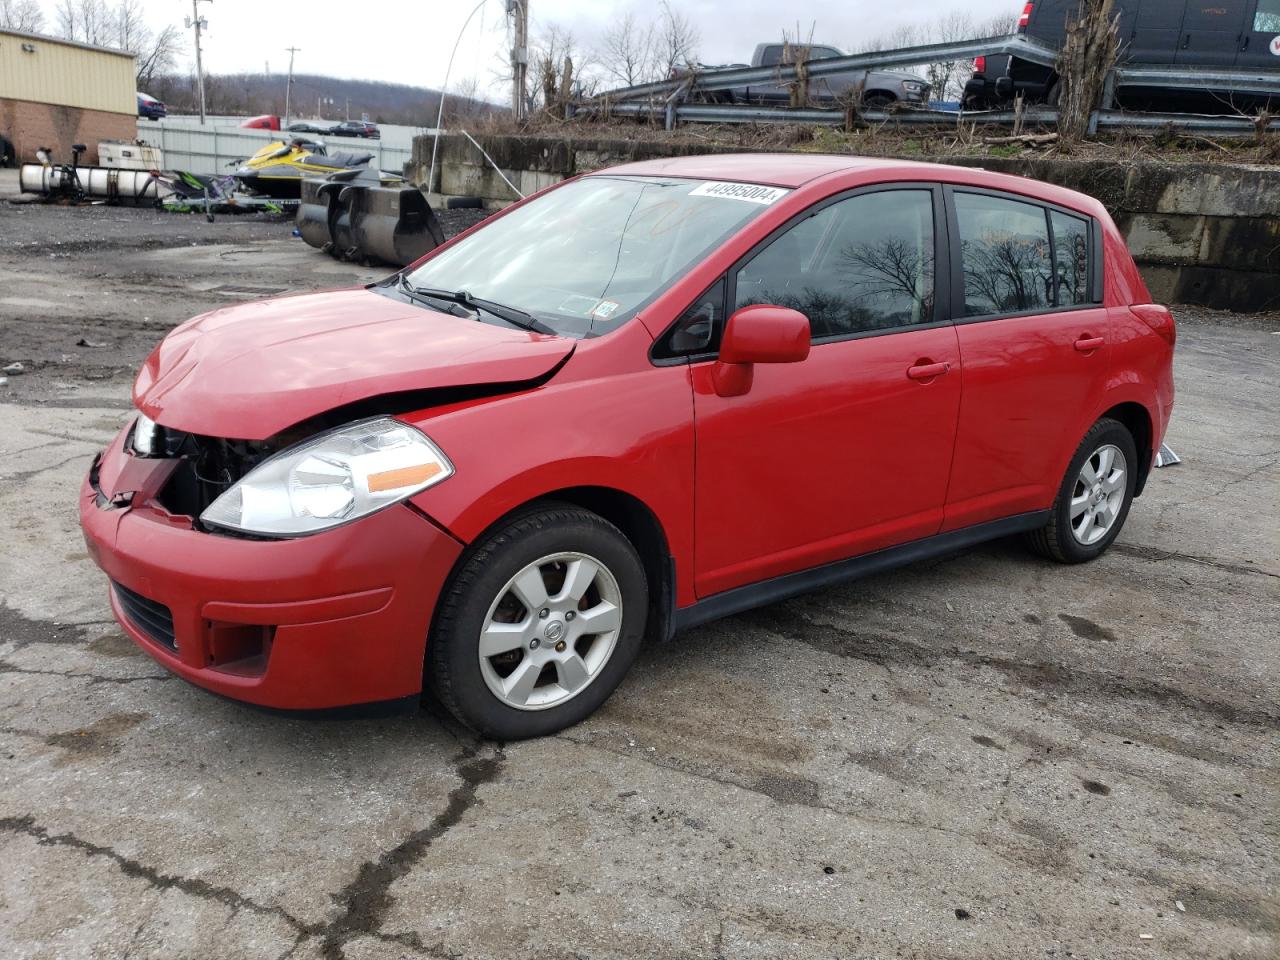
(750, 192)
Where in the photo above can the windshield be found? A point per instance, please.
(587, 256)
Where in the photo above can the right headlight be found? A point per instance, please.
(331, 479)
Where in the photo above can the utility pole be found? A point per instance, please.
(199, 24)
(519, 10)
(288, 90)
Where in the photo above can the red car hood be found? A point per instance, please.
(249, 371)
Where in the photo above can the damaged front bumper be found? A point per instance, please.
(331, 620)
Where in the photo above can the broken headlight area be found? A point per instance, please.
(302, 482)
(207, 468)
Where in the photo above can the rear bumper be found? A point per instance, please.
(321, 622)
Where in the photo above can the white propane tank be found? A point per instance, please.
(94, 181)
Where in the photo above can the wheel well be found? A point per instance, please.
(1137, 421)
(887, 94)
(638, 524)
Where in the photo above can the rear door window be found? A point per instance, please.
(1005, 255)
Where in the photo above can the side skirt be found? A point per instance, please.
(792, 584)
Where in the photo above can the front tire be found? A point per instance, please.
(539, 624)
(1094, 499)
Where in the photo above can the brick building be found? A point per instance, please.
(54, 93)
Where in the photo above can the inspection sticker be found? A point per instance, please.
(750, 192)
(1275, 46)
(605, 308)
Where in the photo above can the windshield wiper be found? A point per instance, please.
(513, 315)
(449, 305)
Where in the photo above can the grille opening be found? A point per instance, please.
(150, 617)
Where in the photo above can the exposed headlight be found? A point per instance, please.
(145, 439)
(331, 479)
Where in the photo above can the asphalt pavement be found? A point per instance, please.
(983, 756)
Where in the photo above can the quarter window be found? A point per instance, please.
(1071, 258)
(859, 265)
(1004, 254)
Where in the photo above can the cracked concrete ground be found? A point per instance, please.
(982, 756)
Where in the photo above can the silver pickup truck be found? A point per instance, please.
(880, 88)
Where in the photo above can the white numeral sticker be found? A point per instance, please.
(750, 192)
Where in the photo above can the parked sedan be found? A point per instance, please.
(150, 107)
(355, 128)
(306, 126)
(638, 401)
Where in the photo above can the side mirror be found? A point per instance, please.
(758, 334)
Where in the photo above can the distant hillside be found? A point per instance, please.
(252, 94)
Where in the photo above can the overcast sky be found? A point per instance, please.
(409, 42)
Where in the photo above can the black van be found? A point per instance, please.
(1224, 34)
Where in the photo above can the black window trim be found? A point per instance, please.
(942, 278)
(957, 265)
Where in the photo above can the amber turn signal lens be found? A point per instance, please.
(403, 477)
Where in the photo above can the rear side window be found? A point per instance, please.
(859, 265)
(772, 56)
(1004, 255)
(1071, 257)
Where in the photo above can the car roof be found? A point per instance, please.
(775, 169)
(794, 170)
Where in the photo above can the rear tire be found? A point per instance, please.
(513, 653)
(1094, 499)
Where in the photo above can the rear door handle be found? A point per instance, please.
(927, 371)
(1087, 344)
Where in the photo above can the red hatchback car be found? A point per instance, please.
(640, 400)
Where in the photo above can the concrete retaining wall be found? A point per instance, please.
(1201, 233)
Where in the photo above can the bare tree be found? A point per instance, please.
(628, 52)
(676, 42)
(85, 21)
(949, 76)
(155, 53)
(1086, 57)
(553, 56)
(124, 27)
(159, 54)
(23, 15)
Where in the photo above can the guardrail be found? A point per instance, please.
(667, 99)
(711, 80)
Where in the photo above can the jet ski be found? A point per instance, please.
(277, 170)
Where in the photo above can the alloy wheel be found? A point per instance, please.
(1098, 494)
(550, 631)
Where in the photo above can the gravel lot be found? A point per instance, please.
(983, 756)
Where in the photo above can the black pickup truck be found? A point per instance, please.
(1227, 35)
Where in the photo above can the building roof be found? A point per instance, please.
(42, 38)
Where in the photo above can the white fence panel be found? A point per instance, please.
(220, 145)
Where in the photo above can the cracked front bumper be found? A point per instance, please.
(332, 620)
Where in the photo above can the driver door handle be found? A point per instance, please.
(927, 371)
